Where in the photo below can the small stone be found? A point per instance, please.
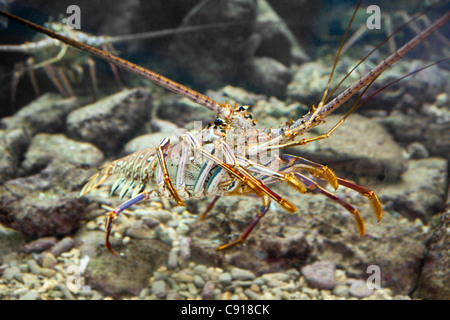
(198, 281)
(30, 295)
(182, 276)
(172, 261)
(185, 248)
(40, 244)
(37, 270)
(200, 269)
(275, 279)
(65, 291)
(12, 273)
(252, 295)
(320, 275)
(48, 260)
(91, 225)
(255, 288)
(208, 291)
(159, 288)
(341, 291)
(64, 245)
(359, 289)
(242, 274)
(31, 281)
(225, 278)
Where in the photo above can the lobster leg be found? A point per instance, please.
(322, 173)
(373, 199)
(32, 76)
(247, 231)
(314, 187)
(316, 169)
(51, 74)
(167, 181)
(114, 214)
(92, 73)
(209, 208)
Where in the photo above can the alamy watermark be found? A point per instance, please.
(374, 280)
(374, 21)
(74, 20)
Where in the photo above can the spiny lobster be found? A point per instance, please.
(231, 156)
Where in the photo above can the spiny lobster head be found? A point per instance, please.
(237, 117)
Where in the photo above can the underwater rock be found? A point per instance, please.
(267, 75)
(434, 282)
(40, 244)
(46, 203)
(183, 112)
(109, 122)
(65, 245)
(358, 148)
(359, 289)
(41, 214)
(163, 126)
(45, 114)
(431, 131)
(149, 140)
(320, 275)
(308, 83)
(277, 40)
(214, 58)
(46, 148)
(13, 144)
(421, 191)
(116, 276)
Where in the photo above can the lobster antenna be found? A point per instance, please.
(124, 64)
(379, 45)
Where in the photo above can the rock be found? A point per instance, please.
(46, 148)
(308, 83)
(198, 281)
(124, 274)
(65, 245)
(267, 75)
(37, 270)
(159, 288)
(45, 114)
(277, 40)
(430, 131)
(109, 122)
(186, 113)
(12, 273)
(172, 262)
(227, 44)
(225, 279)
(434, 283)
(48, 260)
(40, 244)
(242, 274)
(341, 291)
(208, 291)
(163, 126)
(13, 144)
(320, 275)
(42, 214)
(359, 289)
(421, 191)
(144, 141)
(30, 295)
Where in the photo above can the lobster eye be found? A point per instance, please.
(218, 122)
